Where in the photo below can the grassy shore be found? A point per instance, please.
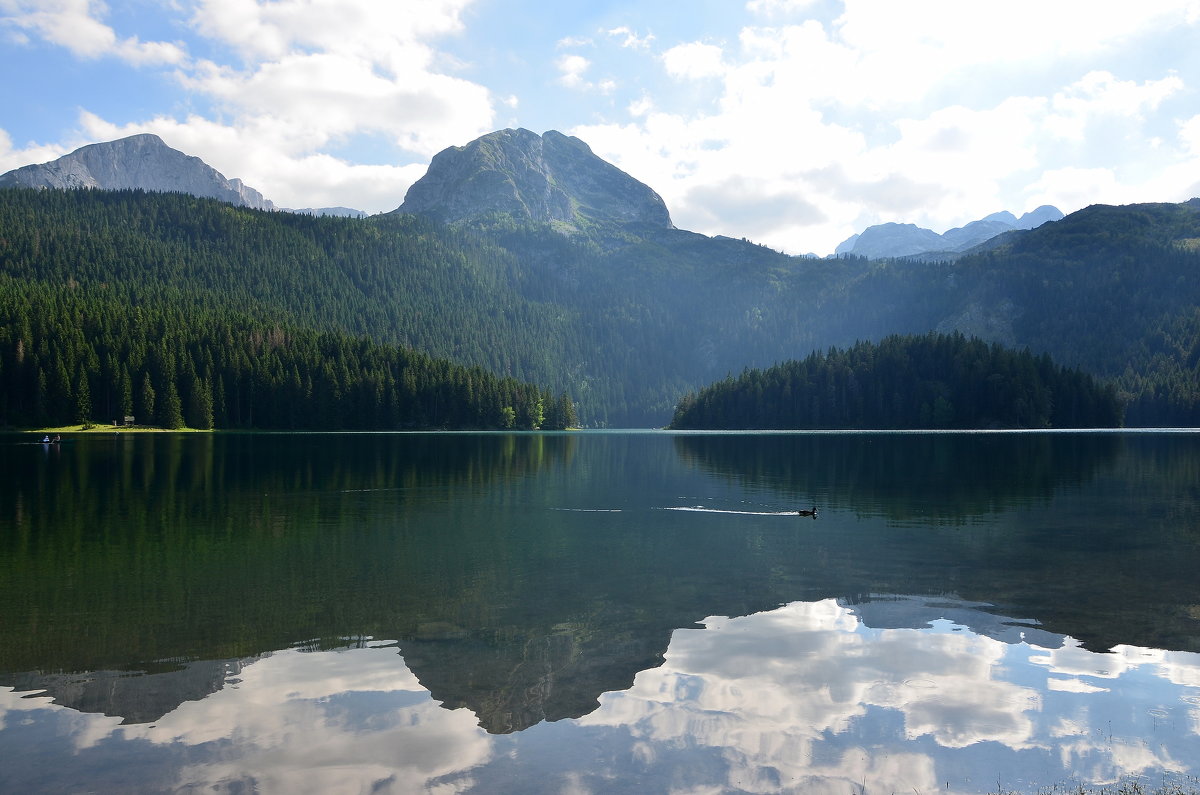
(104, 428)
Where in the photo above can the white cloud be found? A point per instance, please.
(963, 34)
(318, 97)
(335, 68)
(1189, 134)
(960, 156)
(393, 35)
(573, 41)
(1099, 95)
(643, 105)
(76, 25)
(630, 38)
(770, 8)
(571, 69)
(1076, 187)
(14, 157)
(694, 60)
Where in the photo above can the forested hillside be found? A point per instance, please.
(1114, 291)
(1111, 290)
(627, 321)
(394, 278)
(618, 331)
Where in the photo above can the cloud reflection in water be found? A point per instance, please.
(806, 697)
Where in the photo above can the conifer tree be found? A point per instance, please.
(147, 401)
(83, 400)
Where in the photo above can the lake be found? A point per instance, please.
(599, 612)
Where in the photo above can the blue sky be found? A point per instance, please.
(794, 123)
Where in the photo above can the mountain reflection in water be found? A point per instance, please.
(195, 612)
(809, 697)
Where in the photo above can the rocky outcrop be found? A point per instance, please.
(550, 178)
(138, 162)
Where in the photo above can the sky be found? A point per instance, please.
(793, 123)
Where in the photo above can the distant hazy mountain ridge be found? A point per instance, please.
(140, 162)
(907, 240)
(550, 178)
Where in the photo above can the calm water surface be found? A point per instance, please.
(599, 612)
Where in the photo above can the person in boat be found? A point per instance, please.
(46, 439)
(57, 438)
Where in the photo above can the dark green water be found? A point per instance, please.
(599, 612)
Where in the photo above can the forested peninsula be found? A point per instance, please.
(933, 381)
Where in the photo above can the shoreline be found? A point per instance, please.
(106, 429)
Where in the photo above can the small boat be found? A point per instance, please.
(812, 513)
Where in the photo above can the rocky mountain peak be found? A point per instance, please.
(142, 162)
(551, 178)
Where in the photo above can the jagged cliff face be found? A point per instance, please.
(551, 178)
(139, 162)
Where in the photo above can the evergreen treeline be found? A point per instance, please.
(73, 354)
(930, 381)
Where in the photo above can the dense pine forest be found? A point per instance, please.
(624, 323)
(71, 354)
(930, 381)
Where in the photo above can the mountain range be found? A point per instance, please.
(909, 240)
(530, 256)
(550, 178)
